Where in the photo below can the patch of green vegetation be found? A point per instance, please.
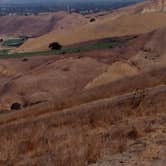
(3, 52)
(103, 44)
(14, 42)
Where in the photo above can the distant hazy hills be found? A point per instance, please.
(61, 1)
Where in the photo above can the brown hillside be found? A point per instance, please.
(125, 25)
(103, 131)
(140, 18)
(38, 25)
(118, 121)
(25, 82)
(104, 107)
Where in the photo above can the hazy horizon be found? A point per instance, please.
(60, 1)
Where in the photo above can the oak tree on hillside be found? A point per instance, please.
(55, 46)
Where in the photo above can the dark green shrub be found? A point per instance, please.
(55, 46)
(92, 20)
(15, 106)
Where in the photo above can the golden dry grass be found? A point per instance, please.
(118, 119)
(37, 25)
(114, 72)
(125, 25)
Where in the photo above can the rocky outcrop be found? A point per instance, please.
(155, 6)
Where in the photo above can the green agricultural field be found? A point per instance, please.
(103, 44)
(14, 42)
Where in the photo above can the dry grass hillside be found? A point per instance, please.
(44, 78)
(128, 128)
(25, 81)
(102, 107)
(38, 25)
(126, 21)
(127, 25)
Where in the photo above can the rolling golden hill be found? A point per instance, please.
(37, 25)
(104, 107)
(127, 21)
